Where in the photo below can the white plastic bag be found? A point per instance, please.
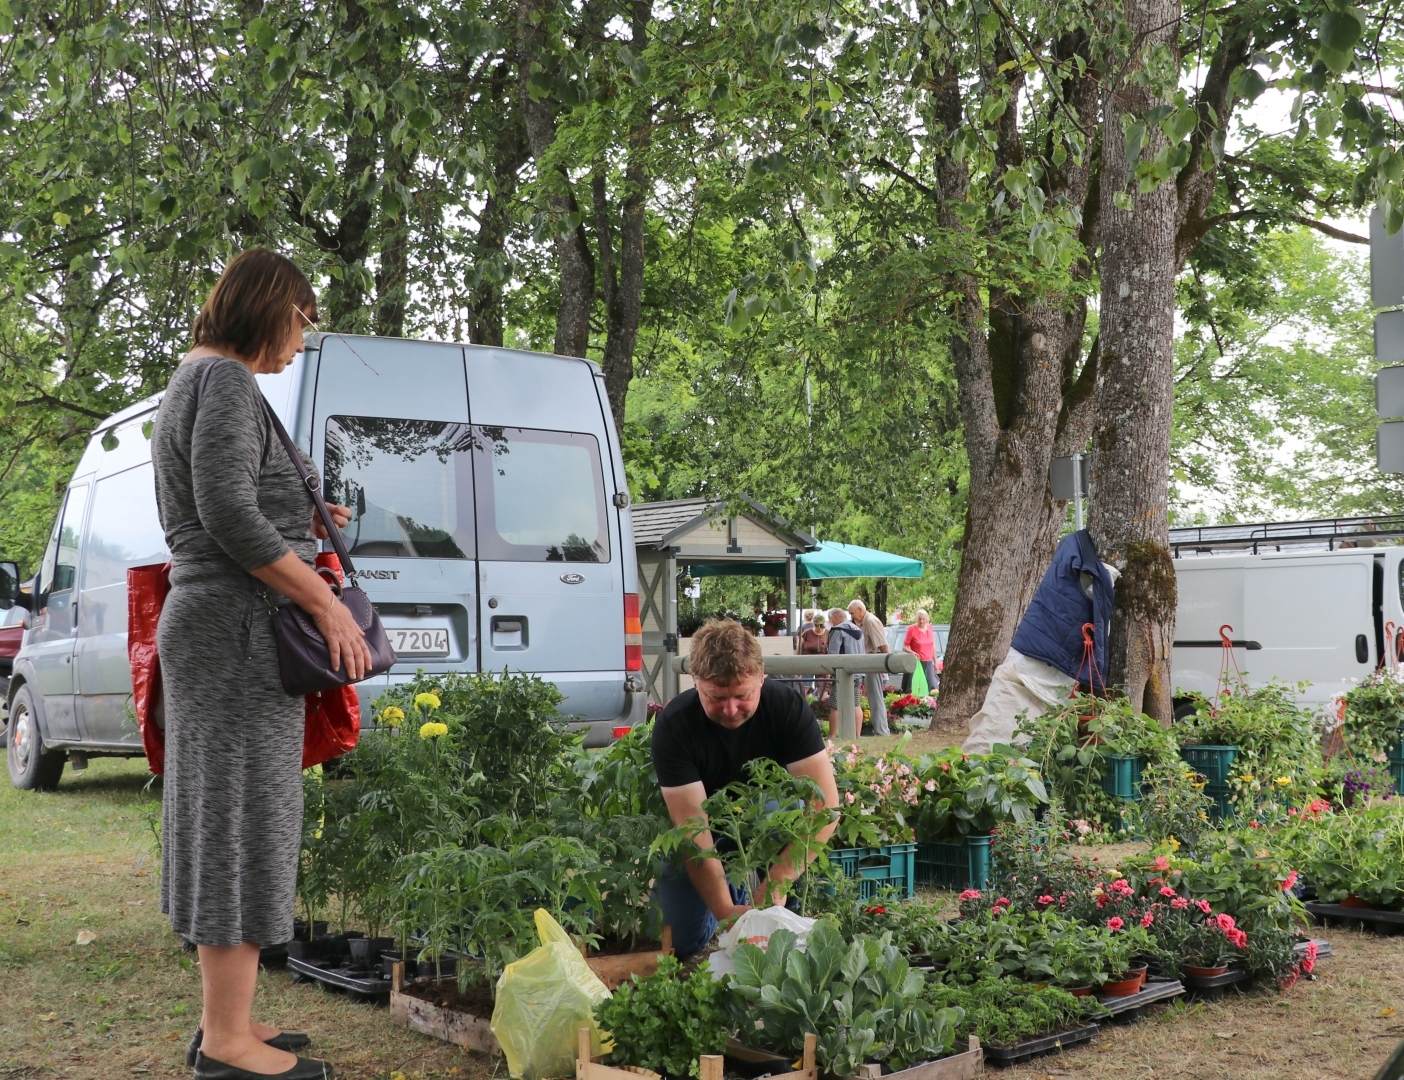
(756, 926)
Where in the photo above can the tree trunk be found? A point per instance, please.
(392, 274)
(574, 262)
(1135, 391)
(485, 313)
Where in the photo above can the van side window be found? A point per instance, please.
(409, 484)
(60, 567)
(541, 496)
(125, 528)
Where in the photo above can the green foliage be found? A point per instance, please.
(1279, 754)
(758, 819)
(859, 997)
(1373, 715)
(1036, 946)
(1355, 852)
(877, 794)
(1173, 805)
(665, 1022)
(1003, 1012)
(969, 794)
(1244, 873)
(1071, 743)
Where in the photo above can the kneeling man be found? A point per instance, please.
(702, 742)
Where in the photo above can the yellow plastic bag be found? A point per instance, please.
(542, 1002)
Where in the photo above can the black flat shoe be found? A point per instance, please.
(305, 1069)
(284, 1040)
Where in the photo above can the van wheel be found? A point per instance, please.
(1184, 710)
(32, 767)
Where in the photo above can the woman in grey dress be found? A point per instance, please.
(239, 525)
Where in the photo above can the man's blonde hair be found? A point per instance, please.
(725, 652)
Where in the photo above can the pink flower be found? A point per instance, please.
(1147, 918)
(1003, 901)
(1309, 960)
(1161, 863)
(1203, 906)
(931, 785)
(968, 895)
(1045, 900)
(1224, 922)
(1121, 888)
(1179, 903)
(1290, 882)
(1115, 923)
(1239, 939)
(1165, 890)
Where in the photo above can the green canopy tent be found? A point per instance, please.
(830, 560)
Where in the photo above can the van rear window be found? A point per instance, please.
(541, 496)
(409, 484)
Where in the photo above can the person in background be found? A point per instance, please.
(844, 639)
(701, 743)
(920, 641)
(874, 641)
(813, 641)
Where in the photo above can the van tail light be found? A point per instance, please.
(633, 634)
(621, 730)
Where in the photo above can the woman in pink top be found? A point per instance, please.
(920, 640)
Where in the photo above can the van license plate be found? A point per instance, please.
(418, 641)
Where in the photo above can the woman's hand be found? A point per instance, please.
(345, 641)
(339, 514)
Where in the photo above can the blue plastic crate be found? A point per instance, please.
(892, 865)
(960, 864)
(1211, 762)
(1122, 778)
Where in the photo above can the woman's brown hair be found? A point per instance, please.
(252, 304)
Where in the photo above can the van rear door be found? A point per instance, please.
(390, 426)
(550, 559)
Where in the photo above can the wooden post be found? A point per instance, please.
(711, 1066)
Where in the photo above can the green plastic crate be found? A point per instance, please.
(892, 865)
(961, 864)
(1211, 762)
(1396, 770)
(1122, 778)
(1222, 810)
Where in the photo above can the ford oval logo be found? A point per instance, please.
(572, 579)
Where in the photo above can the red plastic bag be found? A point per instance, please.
(331, 718)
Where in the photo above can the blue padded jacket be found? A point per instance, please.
(1052, 627)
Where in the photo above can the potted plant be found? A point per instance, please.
(1080, 962)
(772, 622)
(1122, 943)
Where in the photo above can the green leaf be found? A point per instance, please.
(1339, 33)
(260, 32)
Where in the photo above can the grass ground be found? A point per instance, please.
(80, 859)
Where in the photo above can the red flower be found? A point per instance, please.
(1309, 960)
(1290, 882)
(1147, 918)
(1003, 901)
(1224, 922)
(968, 895)
(1115, 923)
(1044, 900)
(1165, 890)
(1179, 903)
(1203, 906)
(877, 910)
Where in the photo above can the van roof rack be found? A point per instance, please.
(1328, 533)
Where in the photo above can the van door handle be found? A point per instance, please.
(1362, 649)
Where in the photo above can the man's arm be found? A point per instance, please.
(820, 769)
(708, 878)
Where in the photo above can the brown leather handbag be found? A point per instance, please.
(304, 661)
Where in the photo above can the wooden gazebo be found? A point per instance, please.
(686, 532)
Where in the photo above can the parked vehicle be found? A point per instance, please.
(12, 627)
(1302, 609)
(488, 526)
(897, 631)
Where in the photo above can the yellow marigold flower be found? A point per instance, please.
(1283, 781)
(392, 714)
(432, 730)
(1248, 778)
(427, 701)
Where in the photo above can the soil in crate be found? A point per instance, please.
(475, 1001)
(613, 947)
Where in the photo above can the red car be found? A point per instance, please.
(11, 635)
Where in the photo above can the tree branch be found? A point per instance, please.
(1330, 230)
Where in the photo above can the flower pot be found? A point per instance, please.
(1140, 970)
(1202, 972)
(1123, 987)
(1079, 991)
(1354, 901)
(771, 631)
(1083, 735)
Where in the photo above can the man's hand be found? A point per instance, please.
(724, 920)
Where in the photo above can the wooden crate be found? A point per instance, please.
(963, 1066)
(614, 970)
(459, 1028)
(710, 1066)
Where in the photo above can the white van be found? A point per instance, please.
(490, 528)
(1305, 600)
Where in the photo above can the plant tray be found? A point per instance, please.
(749, 1061)
(460, 1028)
(1212, 762)
(1122, 780)
(1384, 923)
(1153, 990)
(891, 865)
(1212, 987)
(336, 975)
(962, 864)
(1021, 1052)
(1323, 947)
(963, 1066)
(617, 969)
(587, 1067)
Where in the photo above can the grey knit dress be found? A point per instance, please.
(230, 502)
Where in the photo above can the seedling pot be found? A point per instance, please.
(1123, 987)
(1202, 972)
(1079, 991)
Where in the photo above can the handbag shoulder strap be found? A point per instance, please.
(315, 488)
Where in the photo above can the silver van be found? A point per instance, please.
(490, 528)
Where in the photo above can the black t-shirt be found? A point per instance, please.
(687, 747)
